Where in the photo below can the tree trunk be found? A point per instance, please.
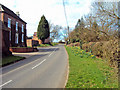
(43, 40)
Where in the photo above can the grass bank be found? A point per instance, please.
(47, 45)
(10, 59)
(87, 71)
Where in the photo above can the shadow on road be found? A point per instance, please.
(47, 49)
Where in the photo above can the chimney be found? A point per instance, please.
(18, 14)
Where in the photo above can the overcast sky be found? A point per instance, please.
(32, 10)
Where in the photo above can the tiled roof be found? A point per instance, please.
(35, 34)
(10, 12)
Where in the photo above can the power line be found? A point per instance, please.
(65, 13)
(66, 18)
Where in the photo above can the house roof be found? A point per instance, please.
(35, 34)
(10, 12)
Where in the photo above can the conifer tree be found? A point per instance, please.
(43, 29)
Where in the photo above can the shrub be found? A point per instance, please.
(107, 50)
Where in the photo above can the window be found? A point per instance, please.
(22, 37)
(9, 23)
(22, 28)
(16, 38)
(16, 26)
(10, 35)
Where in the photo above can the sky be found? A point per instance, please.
(32, 10)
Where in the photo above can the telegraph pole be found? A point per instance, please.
(68, 33)
(66, 19)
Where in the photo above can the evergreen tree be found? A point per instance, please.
(43, 29)
(80, 23)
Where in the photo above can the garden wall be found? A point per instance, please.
(23, 50)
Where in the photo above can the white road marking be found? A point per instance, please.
(39, 64)
(52, 53)
(21, 66)
(6, 83)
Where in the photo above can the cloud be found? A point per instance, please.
(32, 10)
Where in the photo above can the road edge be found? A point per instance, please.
(67, 73)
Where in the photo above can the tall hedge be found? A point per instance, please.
(108, 50)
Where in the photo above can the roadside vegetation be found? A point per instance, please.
(54, 43)
(97, 32)
(47, 45)
(43, 31)
(10, 59)
(44, 45)
(87, 71)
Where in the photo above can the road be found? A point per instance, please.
(38, 71)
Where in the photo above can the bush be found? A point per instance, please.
(72, 40)
(107, 50)
(47, 45)
(53, 43)
(44, 45)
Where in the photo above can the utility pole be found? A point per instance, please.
(68, 33)
(66, 19)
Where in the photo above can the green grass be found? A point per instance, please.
(44, 45)
(53, 43)
(10, 59)
(47, 45)
(87, 71)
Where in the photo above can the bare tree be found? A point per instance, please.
(106, 15)
(55, 32)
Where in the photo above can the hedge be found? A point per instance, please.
(108, 50)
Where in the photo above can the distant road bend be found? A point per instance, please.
(39, 71)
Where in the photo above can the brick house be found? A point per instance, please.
(12, 30)
(35, 41)
(15, 25)
(40, 42)
(4, 37)
(36, 38)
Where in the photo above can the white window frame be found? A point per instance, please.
(16, 26)
(16, 38)
(22, 37)
(9, 23)
(22, 28)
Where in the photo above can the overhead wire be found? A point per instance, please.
(66, 18)
(65, 13)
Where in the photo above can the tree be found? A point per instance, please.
(43, 29)
(107, 15)
(55, 32)
(80, 23)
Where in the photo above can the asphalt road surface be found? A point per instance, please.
(39, 71)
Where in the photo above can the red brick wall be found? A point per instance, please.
(13, 30)
(5, 43)
(23, 50)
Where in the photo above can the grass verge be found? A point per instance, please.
(44, 45)
(10, 59)
(53, 43)
(47, 45)
(87, 71)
